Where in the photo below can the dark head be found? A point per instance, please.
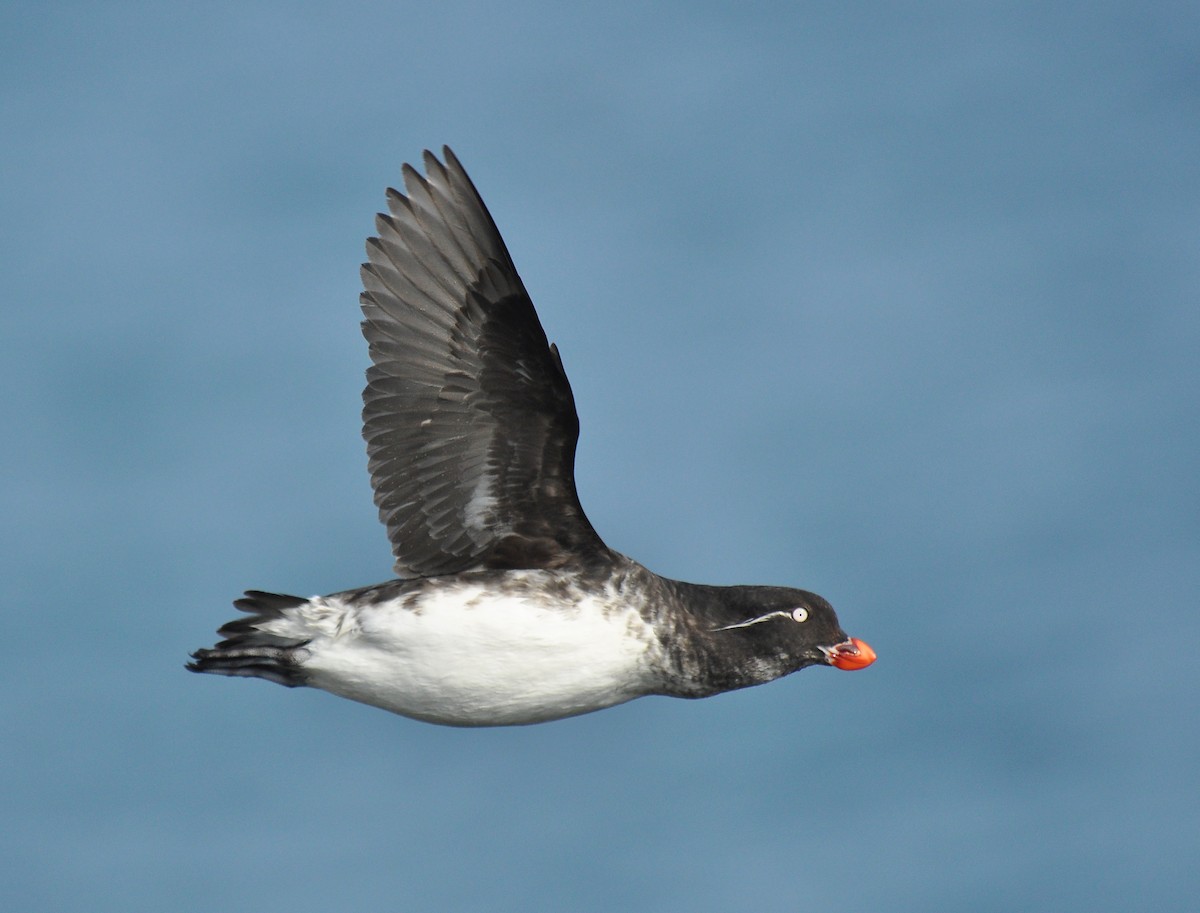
(755, 634)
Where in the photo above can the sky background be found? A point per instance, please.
(897, 302)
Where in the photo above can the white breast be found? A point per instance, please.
(468, 657)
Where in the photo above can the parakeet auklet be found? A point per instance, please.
(509, 608)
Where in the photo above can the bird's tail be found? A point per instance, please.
(249, 649)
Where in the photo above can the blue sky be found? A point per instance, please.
(896, 302)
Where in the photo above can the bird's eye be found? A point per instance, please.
(800, 614)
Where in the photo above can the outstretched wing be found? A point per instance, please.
(468, 415)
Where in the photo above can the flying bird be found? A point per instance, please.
(507, 608)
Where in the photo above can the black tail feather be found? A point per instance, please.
(250, 651)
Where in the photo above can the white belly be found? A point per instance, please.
(467, 659)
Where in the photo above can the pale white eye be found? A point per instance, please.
(800, 614)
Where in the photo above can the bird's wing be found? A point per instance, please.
(468, 415)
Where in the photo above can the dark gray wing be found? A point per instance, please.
(468, 416)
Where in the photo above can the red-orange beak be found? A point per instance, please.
(851, 654)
